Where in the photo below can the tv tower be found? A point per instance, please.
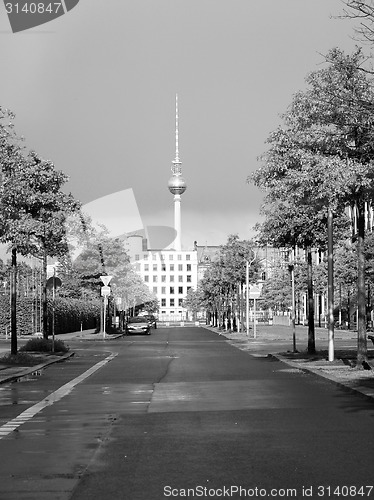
(177, 185)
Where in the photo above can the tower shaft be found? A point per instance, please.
(177, 184)
(177, 222)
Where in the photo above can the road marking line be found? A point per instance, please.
(52, 398)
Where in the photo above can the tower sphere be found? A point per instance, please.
(177, 184)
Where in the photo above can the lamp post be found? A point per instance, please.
(247, 297)
(255, 294)
(291, 268)
(330, 284)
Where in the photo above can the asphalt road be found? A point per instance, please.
(181, 414)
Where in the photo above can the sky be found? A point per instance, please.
(94, 91)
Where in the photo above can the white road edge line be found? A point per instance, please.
(52, 398)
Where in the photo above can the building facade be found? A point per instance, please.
(169, 275)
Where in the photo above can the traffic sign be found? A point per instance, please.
(105, 291)
(53, 281)
(106, 279)
(254, 292)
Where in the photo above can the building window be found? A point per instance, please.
(155, 279)
(163, 302)
(180, 302)
(180, 290)
(188, 257)
(145, 256)
(146, 267)
(171, 290)
(263, 276)
(171, 256)
(171, 267)
(189, 288)
(146, 278)
(155, 290)
(180, 267)
(189, 278)
(163, 278)
(155, 267)
(179, 256)
(137, 267)
(163, 267)
(137, 256)
(163, 312)
(154, 256)
(180, 279)
(188, 267)
(171, 303)
(162, 257)
(163, 290)
(172, 279)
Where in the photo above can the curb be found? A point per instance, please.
(24, 371)
(319, 373)
(350, 386)
(31, 369)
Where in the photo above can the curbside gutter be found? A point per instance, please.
(14, 372)
(350, 385)
(346, 384)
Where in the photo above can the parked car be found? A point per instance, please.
(152, 321)
(138, 325)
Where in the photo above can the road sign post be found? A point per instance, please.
(53, 283)
(105, 292)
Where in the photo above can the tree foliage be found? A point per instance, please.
(33, 208)
(322, 158)
(221, 289)
(363, 12)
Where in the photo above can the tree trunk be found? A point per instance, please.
(13, 303)
(311, 331)
(362, 355)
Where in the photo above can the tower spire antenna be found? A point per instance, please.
(176, 130)
(176, 167)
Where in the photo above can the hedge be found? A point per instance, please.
(70, 315)
(73, 314)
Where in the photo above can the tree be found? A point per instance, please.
(276, 291)
(323, 155)
(33, 208)
(223, 282)
(100, 256)
(103, 255)
(363, 11)
(194, 301)
(294, 224)
(34, 212)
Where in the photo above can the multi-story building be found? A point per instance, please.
(168, 273)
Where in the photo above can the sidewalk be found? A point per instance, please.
(10, 373)
(277, 341)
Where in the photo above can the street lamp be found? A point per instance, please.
(291, 268)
